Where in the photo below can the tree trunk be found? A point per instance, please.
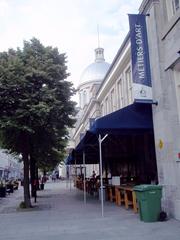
(44, 172)
(37, 179)
(27, 199)
(33, 176)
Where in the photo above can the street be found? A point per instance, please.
(60, 213)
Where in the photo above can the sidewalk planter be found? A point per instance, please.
(149, 201)
(10, 187)
(2, 191)
(15, 185)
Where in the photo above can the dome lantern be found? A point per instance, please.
(99, 55)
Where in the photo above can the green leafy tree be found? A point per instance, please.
(35, 103)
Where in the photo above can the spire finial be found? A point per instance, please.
(98, 34)
(99, 52)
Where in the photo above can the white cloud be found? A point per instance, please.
(4, 8)
(71, 25)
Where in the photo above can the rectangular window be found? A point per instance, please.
(172, 7)
(125, 91)
(102, 110)
(120, 93)
(128, 87)
(177, 83)
(106, 106)
(175, 5)
(112, 101)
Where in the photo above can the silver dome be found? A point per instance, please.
(97, 70)
(94, 72)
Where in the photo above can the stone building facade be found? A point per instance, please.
(163, 35)
(113, 91)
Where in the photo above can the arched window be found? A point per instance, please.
(81, 99)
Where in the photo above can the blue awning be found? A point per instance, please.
(89, 139)
(76, 156)
(136, 117)
(133, 119)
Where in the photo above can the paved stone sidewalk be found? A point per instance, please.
(9, 203)
(61, 214)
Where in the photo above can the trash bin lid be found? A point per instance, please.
(146, 187)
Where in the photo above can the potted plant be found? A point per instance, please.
(15, 184)
(9, 186)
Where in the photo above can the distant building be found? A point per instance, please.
(10, 167)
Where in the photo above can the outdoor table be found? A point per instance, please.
(111, 192)
(129, 197)
(119, 195)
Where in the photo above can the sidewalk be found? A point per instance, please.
(61, 214)
(9, 203)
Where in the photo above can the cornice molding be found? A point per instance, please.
(121, 56)
(87, 83)
(145, 5)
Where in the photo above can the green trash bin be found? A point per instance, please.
(149, 201)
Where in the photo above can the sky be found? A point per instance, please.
(70, 25)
